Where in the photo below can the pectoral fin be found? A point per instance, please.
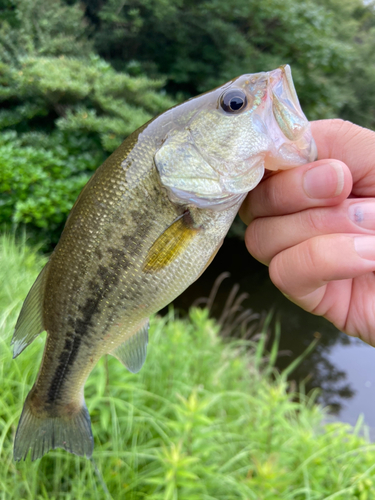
(132, 352)
(30, 321)
(170, 244)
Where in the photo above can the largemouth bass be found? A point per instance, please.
(146, 225)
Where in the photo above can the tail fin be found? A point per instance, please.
(40, 435)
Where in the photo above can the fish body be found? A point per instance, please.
(145, 227)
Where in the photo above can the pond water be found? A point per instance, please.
(340, 366)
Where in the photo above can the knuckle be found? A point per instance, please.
(336, 126)
(277, 276)
(254, 240)
(297, 265)
(269, 194)
(340, 136)
(336, 123)
(313, 219)
(312, 255)
(245, 212)
(273, 193)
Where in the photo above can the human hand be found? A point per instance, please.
(314, 226)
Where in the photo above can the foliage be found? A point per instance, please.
(203, 420)
(41, 177)
(200, 45)
(362, 73)
(41, 28)
(89, 73)
(60, 110)
(85, 95)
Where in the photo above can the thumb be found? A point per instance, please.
(353, 145)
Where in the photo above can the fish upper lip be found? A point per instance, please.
(283, 74)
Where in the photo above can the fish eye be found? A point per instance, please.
(233, 101)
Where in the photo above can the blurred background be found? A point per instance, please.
(76, 77)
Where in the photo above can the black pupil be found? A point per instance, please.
(236, 103)
(233, 101)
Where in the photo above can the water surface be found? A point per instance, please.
(340, 366)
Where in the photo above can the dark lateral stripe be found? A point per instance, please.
(82, 325)
(100, 286)
(66, 359)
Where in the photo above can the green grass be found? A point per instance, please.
(203, 420)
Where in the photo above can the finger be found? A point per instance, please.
(352, 145)
(313, 185)
(302, 271)
(267, 236)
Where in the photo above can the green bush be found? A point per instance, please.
(200, 45)
(42, 170)
(78, 95)
(63, 110)
(40, 178)
(202, 420)
(53, 80)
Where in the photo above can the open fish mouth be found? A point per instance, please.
(287, 121)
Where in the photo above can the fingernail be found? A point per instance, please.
(365, 247)
(363, 214)
(324, 181)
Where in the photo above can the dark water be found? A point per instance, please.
(340, 366)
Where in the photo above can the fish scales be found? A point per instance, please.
(109, 284)
(143, 229)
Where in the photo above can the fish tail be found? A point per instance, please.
(40, 434)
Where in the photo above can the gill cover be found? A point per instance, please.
(190, 178)
(233, 134)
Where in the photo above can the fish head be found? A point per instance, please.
(225, 139)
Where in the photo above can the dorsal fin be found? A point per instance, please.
(30, 321)
(132, 352)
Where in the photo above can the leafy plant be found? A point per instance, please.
(63, 109)
(200, 45)
(40, 178)
(203, 419)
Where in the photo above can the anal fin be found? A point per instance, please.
(132, 352)
(30, 321)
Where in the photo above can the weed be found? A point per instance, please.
(204, 419)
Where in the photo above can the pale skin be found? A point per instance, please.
(314, 226)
